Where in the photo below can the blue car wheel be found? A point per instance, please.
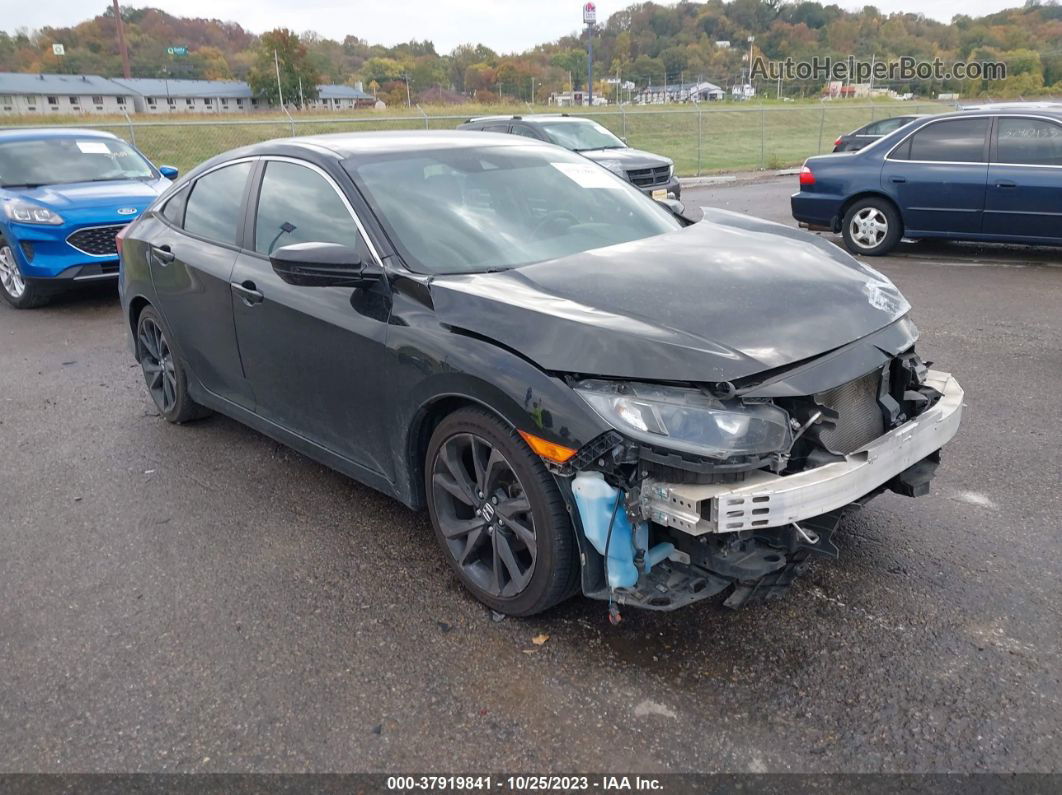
(16, 290)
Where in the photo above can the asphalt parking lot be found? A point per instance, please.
(200, 598)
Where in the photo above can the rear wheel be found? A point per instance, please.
(498, 515)
(163, 372)
(15, 289)
(871, 227)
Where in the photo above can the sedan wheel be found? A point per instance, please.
(484, 514)
(871, 227)
(498, 515)
(156, 360)
(163, 373)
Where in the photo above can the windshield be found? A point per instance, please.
(582, 135)
(51, 161)
(467, 210)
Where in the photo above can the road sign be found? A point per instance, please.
(589, 14)
(179, 51)
(58, 49)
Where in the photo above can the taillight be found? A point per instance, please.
(838, 141)
(806, 177)
(119, 238)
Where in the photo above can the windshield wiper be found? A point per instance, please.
(28, 185)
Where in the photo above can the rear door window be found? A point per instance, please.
(955, 141)
(1034, 142)
(214, 206)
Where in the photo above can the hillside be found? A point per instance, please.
(643, 44)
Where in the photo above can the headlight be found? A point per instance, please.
(687, 419)
(28, 213)
(670, 171)
(615, 166)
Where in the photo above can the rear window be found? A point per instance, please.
(1034, 142)
(954, 141)
(213, 208)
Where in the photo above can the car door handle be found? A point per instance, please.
(248, 293)
(1006, 183)
(162, 254)
(899, 180)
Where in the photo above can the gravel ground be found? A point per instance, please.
(202, 599)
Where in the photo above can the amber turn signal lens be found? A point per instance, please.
(556, 453)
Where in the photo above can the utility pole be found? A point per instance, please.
(122, 49)
(280, 90)
(532, 89)
(749, 78)
(409, 102)
(302, 104)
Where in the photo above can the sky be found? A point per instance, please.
(503, 25)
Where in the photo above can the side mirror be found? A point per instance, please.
(323, 265)
(169, 172)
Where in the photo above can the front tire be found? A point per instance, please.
(871, 227)
(498, 515)
(163, 372)
(13, 286)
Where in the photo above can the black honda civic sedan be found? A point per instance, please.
(586, 389)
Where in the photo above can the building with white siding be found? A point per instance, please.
(164, 96)
(335, 97)
(47, 94)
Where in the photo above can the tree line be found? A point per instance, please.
(644, 44)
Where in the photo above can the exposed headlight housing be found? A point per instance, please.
(25, 212)
(687, 419)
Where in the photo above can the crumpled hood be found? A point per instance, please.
(722, 299)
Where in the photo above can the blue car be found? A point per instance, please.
(986, 176)
(64, 194)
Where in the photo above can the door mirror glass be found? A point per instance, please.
(323, 265)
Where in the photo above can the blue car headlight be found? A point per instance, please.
(25, 212)
(687, 419)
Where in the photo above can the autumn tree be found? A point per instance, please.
(281, 48)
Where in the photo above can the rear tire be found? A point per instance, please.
(18, 292)
(163, 371)
(498, 515)
(871, 227)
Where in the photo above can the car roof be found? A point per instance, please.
(532, 117)
(348, 144)
(1001, 111)
(37, 133)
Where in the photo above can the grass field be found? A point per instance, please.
(701, 139)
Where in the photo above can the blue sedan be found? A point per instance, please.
(986, 176)
(64, 195)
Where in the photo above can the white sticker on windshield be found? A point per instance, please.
(588, 176)
(93, 147)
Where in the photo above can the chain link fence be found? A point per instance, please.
(700, 139)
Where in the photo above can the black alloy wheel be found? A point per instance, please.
(498, 515)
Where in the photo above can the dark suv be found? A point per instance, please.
(654, 174)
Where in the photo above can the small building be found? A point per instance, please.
(164, 95)
(746, 91)
(569, 99)
(47, 94)
(702, 91)
(341, 97)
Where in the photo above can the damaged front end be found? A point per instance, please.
(705, 488)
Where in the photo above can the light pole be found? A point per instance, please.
(589, 18)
